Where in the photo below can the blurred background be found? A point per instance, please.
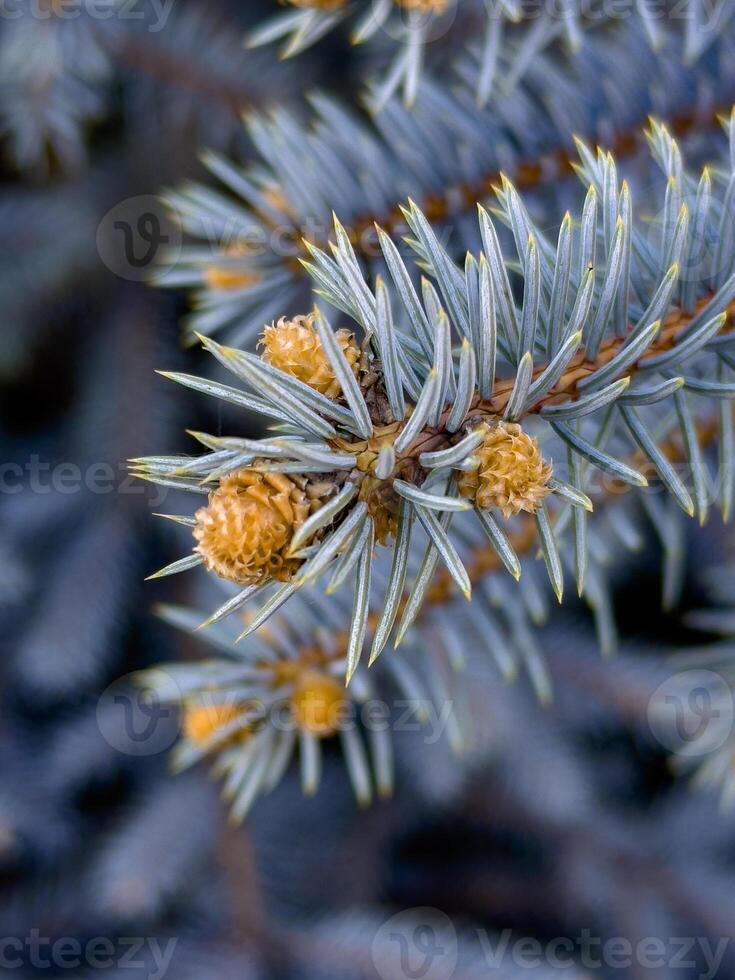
(561, 823)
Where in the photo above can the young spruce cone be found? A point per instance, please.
(316, 703)
(512, 475)
(424, 6)
(201, 721)
(245, 531)
(294, 347)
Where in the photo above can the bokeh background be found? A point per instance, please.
(559, 820)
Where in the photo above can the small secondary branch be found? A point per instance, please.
(524, 538)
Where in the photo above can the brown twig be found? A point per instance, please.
(529, 174)
(532, 173)
(145, 57)
(565, 390)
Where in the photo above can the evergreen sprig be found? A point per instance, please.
(416, 25)
(256, 705)
(447, 153)
(186, 76)
(55, 73)
(248, 705)
(598, 341)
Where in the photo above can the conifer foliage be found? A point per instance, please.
(476, 397)
(448, 300)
